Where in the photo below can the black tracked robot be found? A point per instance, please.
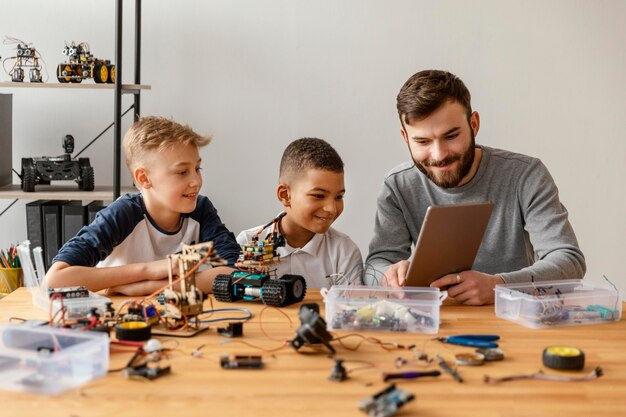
(253, 280)
(42, 170)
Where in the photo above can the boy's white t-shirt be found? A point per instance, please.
(329, 258)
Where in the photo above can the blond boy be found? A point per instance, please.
(124, 249)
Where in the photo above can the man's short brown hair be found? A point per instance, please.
(426, 91)
(156, 133)
(308, 153)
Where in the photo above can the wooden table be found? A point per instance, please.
(297, 384)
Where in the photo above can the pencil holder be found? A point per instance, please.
(10, 279)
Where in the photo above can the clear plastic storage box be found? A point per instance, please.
(47, 360)
(558, 303)
(361, 308)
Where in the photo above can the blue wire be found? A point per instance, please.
(218, 310)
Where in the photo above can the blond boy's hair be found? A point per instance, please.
(156, 133)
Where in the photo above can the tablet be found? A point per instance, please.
(448, 242)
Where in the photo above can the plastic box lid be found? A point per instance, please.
(558, 303)
(363, 308)
(48, 360)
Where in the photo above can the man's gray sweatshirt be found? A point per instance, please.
(528, 237)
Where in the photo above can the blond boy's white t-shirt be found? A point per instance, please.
(327, 258)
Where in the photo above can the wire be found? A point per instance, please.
(248, 315)
(596, 373)
(388, 346)
(284, 345)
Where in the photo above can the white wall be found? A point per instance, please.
(546, 76)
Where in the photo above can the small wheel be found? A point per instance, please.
(274, 293)
(63, 73)
(296, 287)
(111, 74)
(136, 331)
(222, 288)
(29, 175)
(100, 74)
(86, 181)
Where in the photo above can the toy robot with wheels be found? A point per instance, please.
(42, 170)
(253, 280)
(82, 65)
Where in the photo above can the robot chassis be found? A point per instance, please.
(82, 65)
(253, 280)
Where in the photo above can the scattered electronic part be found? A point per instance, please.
(69, 292)
(448, 369)
(43, 169)
(469, 359)
(409, 375)
(139, 365)
(26, 56)
(339, 372)
(563, 358)
(242, 362)
(81, 65)
(254, 280)
(234, 329)
(386, 403)
(312, 329)
(491, 354)
(596, 373)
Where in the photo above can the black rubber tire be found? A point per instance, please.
(136, 331)
(60, 77)
(29, 175)
(563, 358)
(86, 181)
(274, 293)
(222, 288)
(100, 74)
(296, 288)
(111, 69)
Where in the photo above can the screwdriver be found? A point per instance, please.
(409, 375)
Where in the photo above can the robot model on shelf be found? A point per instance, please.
(43, 169)
(182, 304)
(255, 279)
(81, 65)
(25, 57)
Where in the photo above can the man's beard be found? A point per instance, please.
(450, 179)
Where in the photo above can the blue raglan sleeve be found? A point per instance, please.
(212, 228)
(96, 241)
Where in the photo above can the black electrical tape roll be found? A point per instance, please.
(136, 331)
(563, 358)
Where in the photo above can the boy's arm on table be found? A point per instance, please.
(61, 274)
(204, 281)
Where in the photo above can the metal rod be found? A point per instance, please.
(117, 106)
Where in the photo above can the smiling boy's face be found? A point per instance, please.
(171, 184)
(312, 201)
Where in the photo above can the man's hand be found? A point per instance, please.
(395, 275)
(470, 287)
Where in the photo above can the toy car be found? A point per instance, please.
(82, 65)
(42, 170)
(243, 285)
(254, 281)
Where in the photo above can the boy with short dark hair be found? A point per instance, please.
(311, 190)
(131, 238)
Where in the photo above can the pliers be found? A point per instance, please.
(473, 340)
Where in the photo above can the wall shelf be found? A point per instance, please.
(61, 192)
(126, 88)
